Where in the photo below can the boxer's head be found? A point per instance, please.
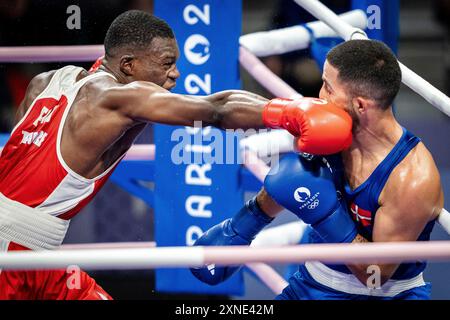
(140, 46)
(361, 76)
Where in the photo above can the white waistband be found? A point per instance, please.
(30, 227)
(348, 283)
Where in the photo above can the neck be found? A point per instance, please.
(377, 133)
(108, 67)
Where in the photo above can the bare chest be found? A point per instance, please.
(90, 143)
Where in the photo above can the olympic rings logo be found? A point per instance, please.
(314, 204)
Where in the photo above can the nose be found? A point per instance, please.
(322, 93)
(174, 73)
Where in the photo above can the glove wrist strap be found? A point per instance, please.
(273, 112)
(250, 220)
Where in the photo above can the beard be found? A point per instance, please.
(355, 119)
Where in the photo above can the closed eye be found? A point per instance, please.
(168, 65)
(327, 87)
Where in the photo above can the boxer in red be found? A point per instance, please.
(73, 127)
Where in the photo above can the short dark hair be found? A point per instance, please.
(136, 29)
(369, 69)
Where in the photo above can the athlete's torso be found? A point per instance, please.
(363, 201)
(32, 168)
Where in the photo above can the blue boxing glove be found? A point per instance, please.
(306, 188)
(238, 230)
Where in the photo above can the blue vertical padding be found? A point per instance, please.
(389, 12)
(208, 37)
(3, 139)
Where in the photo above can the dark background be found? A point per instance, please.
(115, 216)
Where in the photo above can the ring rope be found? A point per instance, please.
(430, 93)
(145, 258)
(280, 41)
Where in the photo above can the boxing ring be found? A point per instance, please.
(274, 245)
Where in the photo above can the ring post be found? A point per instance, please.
(383, 20)
(193, 189)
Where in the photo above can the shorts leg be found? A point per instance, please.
(418, 293)
(303, 287)
(17, 285)
(49, 285)
(78, 285)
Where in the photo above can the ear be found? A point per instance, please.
(127, 64)
(360, 104)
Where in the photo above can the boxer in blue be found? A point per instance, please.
(384, 187)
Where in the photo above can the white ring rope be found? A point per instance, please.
(347, 32)
(268, 276)
(444, 220)
(289, 39)
(266, 144)
(136, 152)
(324, 14)
(51, 53)
(141, 152)
(282, 235)
(264, 272)
(265, 76)
(160, 257)
(255, 165)
(107, 245)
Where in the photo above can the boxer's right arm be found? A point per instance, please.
(147, 102)
(323, 128)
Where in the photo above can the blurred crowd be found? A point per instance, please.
(43, 22)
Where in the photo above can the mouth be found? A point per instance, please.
(169, 85)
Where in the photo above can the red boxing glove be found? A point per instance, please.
(322, 127)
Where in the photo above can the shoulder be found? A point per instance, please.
(117, 96)
(35, 87)
(108, 98)
(415, 183)
(417, 170)
(39, 82)
(43, 78)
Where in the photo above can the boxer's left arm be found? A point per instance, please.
(306, 187)
(240, 229)
(35, 87)
(410, 199)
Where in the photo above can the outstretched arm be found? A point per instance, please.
(147, 102)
